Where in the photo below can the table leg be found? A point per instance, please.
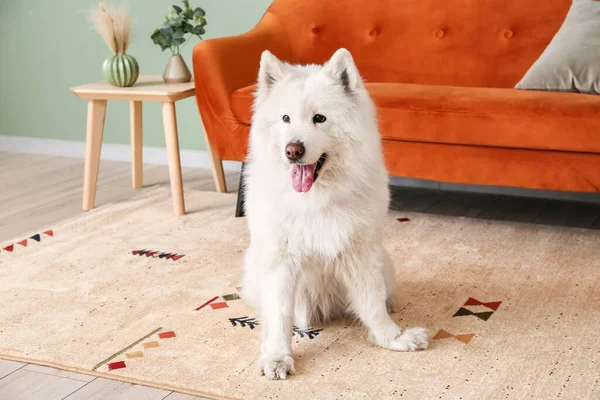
(135, 122)
(172, 141)
(216, 165)
(95, 130)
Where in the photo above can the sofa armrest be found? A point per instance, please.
(223, 65)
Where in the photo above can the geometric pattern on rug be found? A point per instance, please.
(308, 332)
(521, 366)
(244, 321)
(403, 219)
(37, 237)
(465, 337)
(484, 315)
(251, 323)
(221, 304)
(119, 364)
(157, 254)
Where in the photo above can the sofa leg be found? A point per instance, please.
(216, 165)
(239, 209)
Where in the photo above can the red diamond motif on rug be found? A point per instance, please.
(49, 233)
(9, 248)
(491, 305)
(403, 219)
(23, 242)
(116, 365)
(166, 335)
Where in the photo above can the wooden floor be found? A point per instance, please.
(37, 191)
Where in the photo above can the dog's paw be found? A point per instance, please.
(276, 367)
(410, 339)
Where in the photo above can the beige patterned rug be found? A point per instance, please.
(131, 292)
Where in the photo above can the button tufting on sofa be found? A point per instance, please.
(442, 76)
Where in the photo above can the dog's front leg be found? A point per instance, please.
(367, 297)
(277, 309)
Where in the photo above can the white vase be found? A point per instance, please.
(177, 71)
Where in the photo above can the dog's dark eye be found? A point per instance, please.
(319, 119)
(286, 119)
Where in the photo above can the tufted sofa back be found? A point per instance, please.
(485, 43)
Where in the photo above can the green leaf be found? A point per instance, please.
(178, 34)
(172, 15)
(198, 30)
(168, 32)
(188, 28)
(178, 9)
(159, 38)
(155, 36)
(199, 20)
(176, 22)
(199, 12)
(186, 3)
(177, 42)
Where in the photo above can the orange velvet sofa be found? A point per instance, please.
(442, 75)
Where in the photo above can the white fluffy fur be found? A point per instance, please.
(317, 255)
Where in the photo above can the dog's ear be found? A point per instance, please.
(342, 68)
(271, 70)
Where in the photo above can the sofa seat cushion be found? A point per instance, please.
(476, 116)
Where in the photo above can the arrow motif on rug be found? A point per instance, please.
(157, 254)
(243, 321)
(465, 338)
(253, 322)
(310, 333)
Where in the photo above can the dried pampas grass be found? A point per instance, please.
(113, 24)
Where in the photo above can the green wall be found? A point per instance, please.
(47, 46)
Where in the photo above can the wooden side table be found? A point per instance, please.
(147, 88)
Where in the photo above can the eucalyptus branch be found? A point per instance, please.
(181, 23)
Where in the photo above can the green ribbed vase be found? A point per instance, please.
(121, 70)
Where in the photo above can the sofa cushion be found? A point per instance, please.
(571, 62)
(476, 116)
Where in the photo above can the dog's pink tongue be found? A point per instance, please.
(303, 176)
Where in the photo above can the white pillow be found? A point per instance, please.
(571, 62)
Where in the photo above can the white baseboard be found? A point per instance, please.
(200, 159)
(114, 152)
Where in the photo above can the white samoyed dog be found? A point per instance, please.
(316, 198)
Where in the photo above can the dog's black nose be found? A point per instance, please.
(294, 151)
